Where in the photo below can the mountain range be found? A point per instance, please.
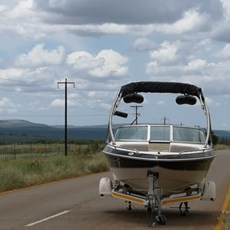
(21, 131)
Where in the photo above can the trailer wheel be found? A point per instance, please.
(161, 219)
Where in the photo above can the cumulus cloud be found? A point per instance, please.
(143, 44)
(206, 73)
(12, 74)
(83, 60)
(39, 56)
(226, 8)
(61, 102)
(166, 53)
(58, 102)
(104, 64)
(43, 42)
(225, 52)
(22, 9)
(192, 20)
(37, 18)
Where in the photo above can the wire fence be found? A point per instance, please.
(16, 151)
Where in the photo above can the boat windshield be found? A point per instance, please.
(185, 134)
(132, 133)
(160, 133)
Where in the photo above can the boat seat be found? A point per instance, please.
(139, 147)
(180, 148)
(161, 147)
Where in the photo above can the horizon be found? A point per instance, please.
(74, 126)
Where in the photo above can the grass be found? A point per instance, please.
(221, 147)
(19, 173)
(225, 219)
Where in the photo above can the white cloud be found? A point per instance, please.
(225, 52)
(143, 44)
(166, 53)
(35, 19)
(192, 20)
(58, 102)
(226, 8)
(104, 64)
(23, 9)
(61, 102)
(197, 64)
(83, 60)
(39, 56)
(12, 73)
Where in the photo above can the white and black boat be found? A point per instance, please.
(157, 164)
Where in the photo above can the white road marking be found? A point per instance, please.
(47, 218)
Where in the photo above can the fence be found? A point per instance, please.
(15, 151)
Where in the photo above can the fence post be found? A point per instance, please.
(45, 149)
(31, 150)
(14, 152)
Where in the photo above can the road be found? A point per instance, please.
(74, 204)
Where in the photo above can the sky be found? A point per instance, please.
(101, 45)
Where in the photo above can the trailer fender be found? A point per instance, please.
(105, 186)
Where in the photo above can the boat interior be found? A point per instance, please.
(160, 138)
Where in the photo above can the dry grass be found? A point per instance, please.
(20, 173)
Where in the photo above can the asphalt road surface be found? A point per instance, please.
(75, 204)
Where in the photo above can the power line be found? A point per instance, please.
(136, 113)
(164, 120)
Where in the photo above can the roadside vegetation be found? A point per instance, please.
(225, 219)
(27, 171)
(30, 164)
(221, 143)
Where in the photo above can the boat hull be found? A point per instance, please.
(175, 175)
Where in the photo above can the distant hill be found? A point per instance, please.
(222, 133)
(22, 131)
(14, 123)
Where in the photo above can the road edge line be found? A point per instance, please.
(223, 210)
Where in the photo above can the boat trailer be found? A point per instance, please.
(154, 201)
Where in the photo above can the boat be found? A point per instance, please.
(158, 164)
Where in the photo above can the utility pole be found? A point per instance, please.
(136, 112)
(66, 83)
(165, 119)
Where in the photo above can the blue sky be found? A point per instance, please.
(101, 45)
